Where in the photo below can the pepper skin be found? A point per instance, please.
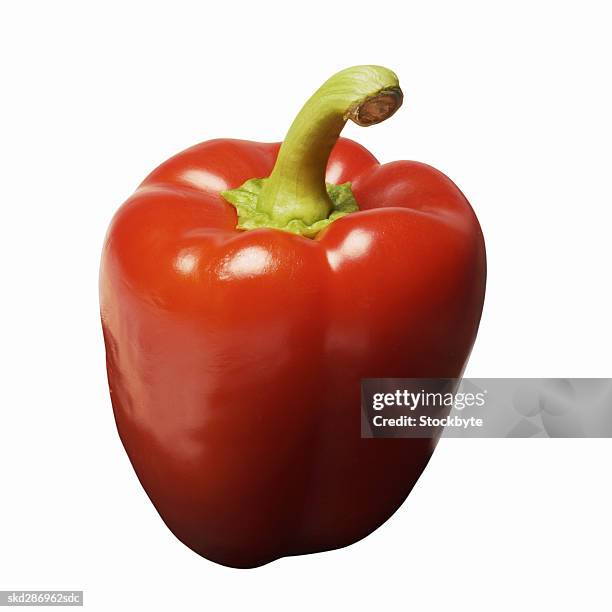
(234, 357)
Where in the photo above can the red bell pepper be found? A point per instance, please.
(240, 315)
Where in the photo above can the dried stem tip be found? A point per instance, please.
(377, 108)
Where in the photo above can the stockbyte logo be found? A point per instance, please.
(486, 407)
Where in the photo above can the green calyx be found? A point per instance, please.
(246, 198)
(295, 197)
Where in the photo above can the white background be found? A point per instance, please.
(513, 103)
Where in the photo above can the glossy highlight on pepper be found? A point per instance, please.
(237, 330)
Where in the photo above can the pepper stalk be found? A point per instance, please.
(295, 197)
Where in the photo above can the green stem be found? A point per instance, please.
(296, 188)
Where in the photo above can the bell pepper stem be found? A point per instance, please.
(296, 188)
